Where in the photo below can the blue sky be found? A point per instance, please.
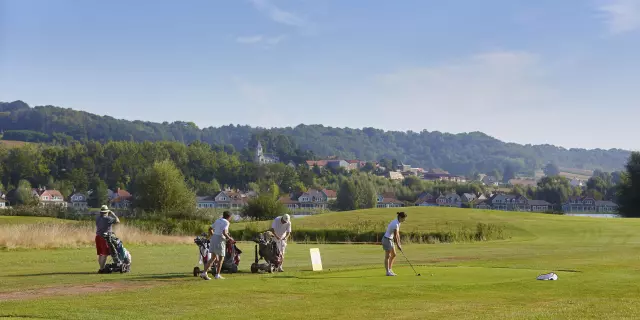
(545, 71)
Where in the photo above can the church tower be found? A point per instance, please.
(259, 156)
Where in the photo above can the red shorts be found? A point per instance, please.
(102, 246)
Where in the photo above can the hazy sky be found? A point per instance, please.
(544, 71)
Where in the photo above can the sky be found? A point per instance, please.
(545, 71)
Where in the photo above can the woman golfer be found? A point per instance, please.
(393, 233)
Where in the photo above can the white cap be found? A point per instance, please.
(286, 217)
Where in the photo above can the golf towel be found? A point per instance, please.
(548, 276)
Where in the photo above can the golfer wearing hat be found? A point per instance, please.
(104, 221)
(393, 233)
(281, 228)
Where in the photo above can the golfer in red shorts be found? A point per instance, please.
(104, 221)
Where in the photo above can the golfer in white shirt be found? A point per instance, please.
(393, 233)
(281, 228)
(219, 231)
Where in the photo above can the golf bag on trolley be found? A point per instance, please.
(231, 258)
(120, 256)
(266, 248)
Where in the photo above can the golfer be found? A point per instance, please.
(219, 231)
(393, 233)
(104, 221)
(281, 228)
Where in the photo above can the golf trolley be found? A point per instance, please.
(231, 258)
(267, 249)
(120, 256)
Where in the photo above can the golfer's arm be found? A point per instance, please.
(226, 234)
(397, 237)
(114, 215)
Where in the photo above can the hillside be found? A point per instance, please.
(463, 153)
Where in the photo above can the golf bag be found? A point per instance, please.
(120, 256)
(231, 258)
(266, 248)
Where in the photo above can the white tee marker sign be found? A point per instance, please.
(316, 262)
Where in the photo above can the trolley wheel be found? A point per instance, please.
(254, 268)
(196, 271)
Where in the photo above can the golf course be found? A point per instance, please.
(597, 261)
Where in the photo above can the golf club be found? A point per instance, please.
(414, 270)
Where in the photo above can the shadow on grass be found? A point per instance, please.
(166, 276)
(51, 274)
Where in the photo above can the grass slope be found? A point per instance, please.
(596, 260)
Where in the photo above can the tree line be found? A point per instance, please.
(463, 154)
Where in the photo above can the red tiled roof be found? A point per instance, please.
(319, 163)
(330, 193)
(123, 193)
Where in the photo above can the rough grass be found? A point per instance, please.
(48, 235)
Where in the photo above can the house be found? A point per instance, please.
(540, 206)
(78, 201)
(425, 199)
(291, 204)
(441, 175)
(388, 200)
(452, 200)
(206, 202)
(261, 158)
(337, 164)
(317, 163)
(120, 199)
(576, 182)
(482, 204)
(394, 175)
(354, 164)
(313, 199)
(490, 181)
(588, 204)
(507, 202)
(49, 197)
(468, 198)
(3, 200)
(230, 199)
(331, 194)
(403, 167)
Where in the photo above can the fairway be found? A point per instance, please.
(596, 260)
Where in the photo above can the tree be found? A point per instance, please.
(346, 197)
(98, 196)
(554, 189)
(509, 173)
(24, 194)
(356, 194)
(264, 207)
(551, 169)
(162, 188)
(629, 188)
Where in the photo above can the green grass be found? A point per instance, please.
(596, 260)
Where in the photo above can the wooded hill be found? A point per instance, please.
(464, 153)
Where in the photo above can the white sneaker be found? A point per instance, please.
(204, 276)
(390, 274)
(280, 269)
(219, 277)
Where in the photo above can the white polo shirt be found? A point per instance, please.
(395, 224)
(279, 227)
(219, 226)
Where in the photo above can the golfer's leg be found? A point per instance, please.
(392, 258)
(386, 260)
(102, 261)
(220, 259)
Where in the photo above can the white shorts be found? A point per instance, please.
(217, 245)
